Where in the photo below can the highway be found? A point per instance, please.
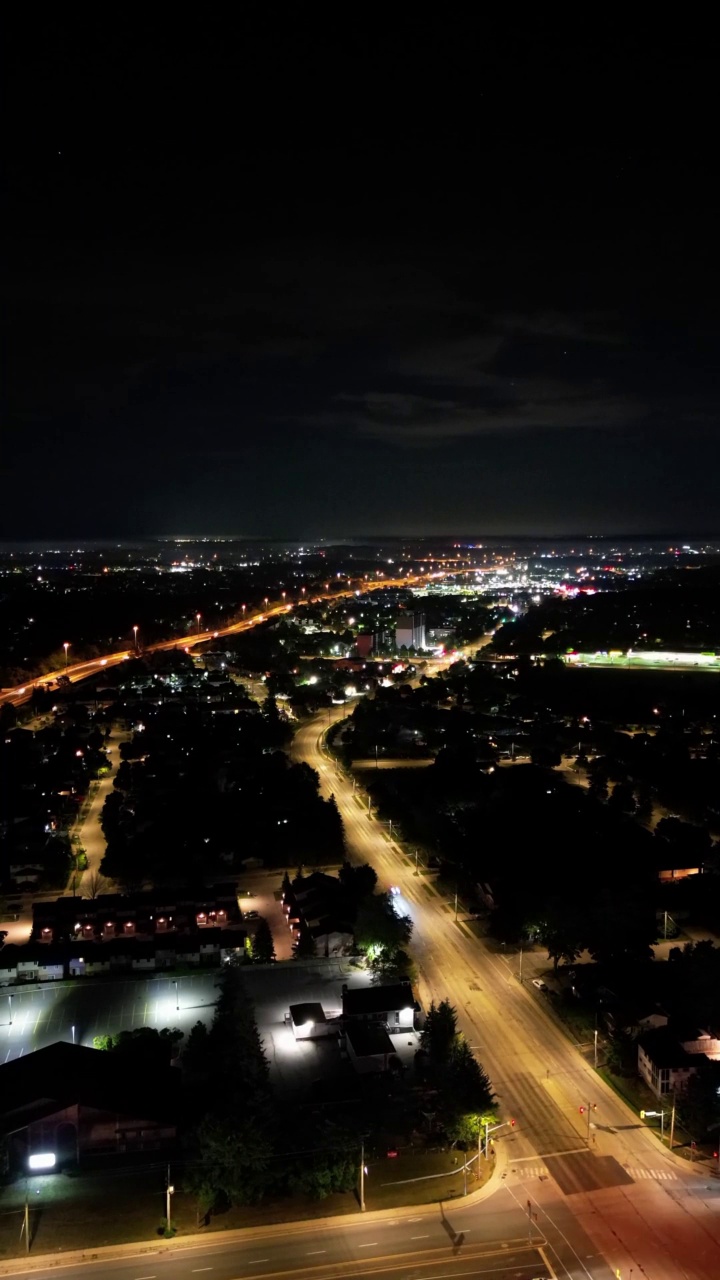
(19, 694)
(622, 1195)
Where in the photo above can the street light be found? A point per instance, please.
(169, 1193)
(66, 646)
(135, 631)
(198, 616)
(177, 996)
(10, 1000)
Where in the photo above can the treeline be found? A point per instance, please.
(200, 792)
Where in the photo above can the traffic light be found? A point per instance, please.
(582, 1111)
(512, 1124)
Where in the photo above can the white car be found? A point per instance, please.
(541, 986)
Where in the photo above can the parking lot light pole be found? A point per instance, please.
(362, 1176)
(169, 1192)
(177, 995)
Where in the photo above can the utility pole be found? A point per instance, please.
(672, 1124)
(521, 960)
(362, 1176)
(417, 851)
(595, 1046)
(456, 906)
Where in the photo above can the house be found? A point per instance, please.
(667, 1058)
(317, 903)
(67, 1101)
(369, 1047)
(393, 1006)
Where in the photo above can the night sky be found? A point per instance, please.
(362, 275)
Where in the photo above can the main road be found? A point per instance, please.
(607, 1187)
(443, 1244)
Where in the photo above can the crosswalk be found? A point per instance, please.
(540, 1171)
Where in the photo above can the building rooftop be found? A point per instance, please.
(40, 1083)
(663, 1047)
(368, 1039)
(361, 1001)
(302, 1014)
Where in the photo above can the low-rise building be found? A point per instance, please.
(667, 1059)
(368, 1046)
(67, 1101)
(392, 1006)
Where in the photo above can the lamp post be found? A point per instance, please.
(135, 632)
(198, 617)
(169, 1193)
(177, 996)
(363, 1172)
(10, 1000)
(66, 646)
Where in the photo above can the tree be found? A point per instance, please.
(305, 949)
(328, 1168)
(378, 927)
(142, 1043)
(196, 1052)
(467, 1087)
(233, 1165)
(262, 947)
(440, 1031)
(96, 884)
(358, 882)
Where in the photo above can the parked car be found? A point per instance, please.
(541, 986)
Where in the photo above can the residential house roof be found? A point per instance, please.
(364, 1001)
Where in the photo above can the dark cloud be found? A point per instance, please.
(309, 281)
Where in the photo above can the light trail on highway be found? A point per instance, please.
(21, 693)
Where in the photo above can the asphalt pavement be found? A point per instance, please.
(439, 1243)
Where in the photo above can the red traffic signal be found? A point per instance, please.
(582, 1111)
(512, 1124)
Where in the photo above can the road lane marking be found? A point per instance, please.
(312, 1253)
(196, 1269)
(420, 1237)
(371, 1245)
(251, 1261)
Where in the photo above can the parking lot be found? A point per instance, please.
(79, 1010)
